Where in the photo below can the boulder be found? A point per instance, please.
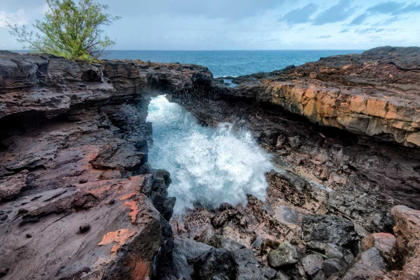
(384, 242)
(215, 264)
(328, 229)
(334, 266)
(369, 265)
(247, 266)
(268, 272)
(312, 263)
(285, 254)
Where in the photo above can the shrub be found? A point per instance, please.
(69, 30)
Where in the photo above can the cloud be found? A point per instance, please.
(300, 15)
(387, 8)
(346, 30)
(324, 37)
(408, 9)
(208, 9)
(388, 21)
(369, 30)
(18, 18)
(336, 13)
(360, 19)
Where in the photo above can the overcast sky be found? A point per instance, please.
(243, 24)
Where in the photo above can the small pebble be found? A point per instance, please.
(112, 201)
(84, 228)
(3, 217)
(28, 235)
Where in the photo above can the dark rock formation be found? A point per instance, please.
(349, 172)
(78, 199)
(74, 175)
(368, 175)
(328, 229)
(285, 254)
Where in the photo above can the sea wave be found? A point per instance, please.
(208, 166)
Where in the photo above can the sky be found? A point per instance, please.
(242, 24)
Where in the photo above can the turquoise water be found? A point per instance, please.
(232, 63)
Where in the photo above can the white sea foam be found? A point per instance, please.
(208, 166)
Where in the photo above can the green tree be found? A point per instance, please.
(69, 30)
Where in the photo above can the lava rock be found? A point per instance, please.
(370, 265)
(384, 242)
(332, 251)
(320, 276)
(328, 229)
(268, 272)
(218, 241)
(281, 276)
(382, 221)
(286, 215)
(185, 253)
(407, 232)
(312, 264)
(247, 266)
(216, 264)
(334, 266)
(285, 254)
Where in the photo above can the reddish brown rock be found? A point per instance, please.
(73, 152)
(407, 231)
(387, 257)
(384, 242)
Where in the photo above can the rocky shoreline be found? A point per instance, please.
(78, 199)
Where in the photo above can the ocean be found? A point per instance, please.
(232, 63)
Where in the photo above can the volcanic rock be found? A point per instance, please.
(407, 231)
(285, 254)
(328, 229)
(312, 263)
(343, 133)
(73, 153)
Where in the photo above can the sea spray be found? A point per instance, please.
(208, 165)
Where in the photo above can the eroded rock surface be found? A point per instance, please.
(338, 182)
(375, 93)
(79, 201)
(77, 197)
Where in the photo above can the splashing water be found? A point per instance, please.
(208, 165)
